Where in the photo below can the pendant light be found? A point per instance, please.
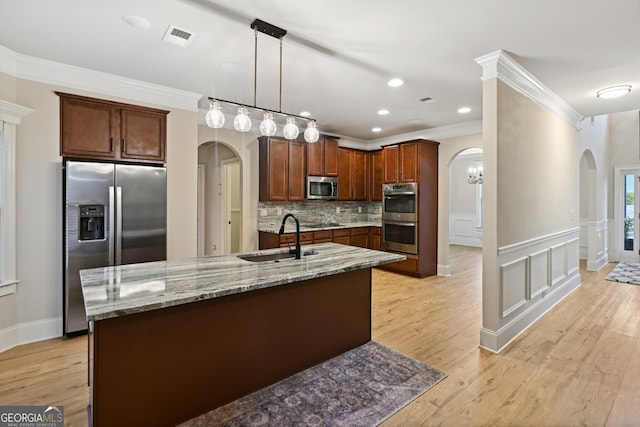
(242, 122)
(268, 127)
(215, 117)
(311, 134)
(290, 130)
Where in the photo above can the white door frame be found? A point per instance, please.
(201, 203)
(618, 223)
(224, 184)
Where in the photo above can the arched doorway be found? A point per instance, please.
(465, 198)
(219, 199)
(592, 232)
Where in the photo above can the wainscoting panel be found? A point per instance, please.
(463, 231)
(534, 275)
(513, 285)
(539, 273)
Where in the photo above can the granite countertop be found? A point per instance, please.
(290, 226)
(134, 288)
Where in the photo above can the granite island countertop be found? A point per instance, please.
(127, 289)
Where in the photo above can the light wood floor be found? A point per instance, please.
(578, 365)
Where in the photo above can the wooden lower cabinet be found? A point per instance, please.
(375, 241)
(322, 236)
(342, 236)
(364, 237)
(360, 237)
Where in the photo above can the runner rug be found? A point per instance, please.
(361, 387)
(625, 272)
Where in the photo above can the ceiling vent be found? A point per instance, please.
(177, 36)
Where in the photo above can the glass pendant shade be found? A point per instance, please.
(290, 130)
(311, 134)
(268, 126)
(242, 122)
(215, 117)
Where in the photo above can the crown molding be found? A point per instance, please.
(58, 74)
(441, 132)
(13, 113)
(500, 65)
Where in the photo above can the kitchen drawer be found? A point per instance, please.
(305, 237)
(376, 230)
(322, 236)
(342, 232)
(359, 231)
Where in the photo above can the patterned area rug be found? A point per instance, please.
(361, 387)
(625, 272)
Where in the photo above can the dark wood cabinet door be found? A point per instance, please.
(296, 173)
(87, 129)
(277, 166)
(342, 240)
(360, 241)
(376, 173)
(409, 162)
(330, 156)
(315, 158)
(391, 164)
(143, 135)
(345, 171)
(359, 175)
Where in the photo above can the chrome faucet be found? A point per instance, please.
(297, 249)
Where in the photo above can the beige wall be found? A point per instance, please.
(624, 145)
(38, 300)
(537, 173)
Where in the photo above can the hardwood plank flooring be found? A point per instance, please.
(578, 365)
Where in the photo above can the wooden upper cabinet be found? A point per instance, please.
(345, 173)
(143, 135)
(401, 163)
(391, 156)
(376, 175)
(282, 170)
(359, 176)
(296, 178)
(322, 157)
(104, 130)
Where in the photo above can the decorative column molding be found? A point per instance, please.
(499, 65)
(11, 116)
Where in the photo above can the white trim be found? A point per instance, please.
(499, 65)
(444, 270)
(504, 250)
(459, 129)
(8, 288)
(12, 113)
(58, 74)
(25, 333)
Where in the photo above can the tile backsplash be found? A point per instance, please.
(270, 214)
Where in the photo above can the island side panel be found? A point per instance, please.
(169, 365)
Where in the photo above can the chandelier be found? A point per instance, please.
(242, 122)
(475, 174)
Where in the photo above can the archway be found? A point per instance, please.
(465, 198)
(592, 240)
(219, 199)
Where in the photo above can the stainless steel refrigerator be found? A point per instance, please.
(113, 214)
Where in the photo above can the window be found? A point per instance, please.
(10, 117)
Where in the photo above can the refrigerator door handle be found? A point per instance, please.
(118, 225)
(111, 224)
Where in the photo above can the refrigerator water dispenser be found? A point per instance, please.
(91, 222)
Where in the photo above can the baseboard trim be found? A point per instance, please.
(599, 263)
(28, 332)
(444, 270)
(495, 342)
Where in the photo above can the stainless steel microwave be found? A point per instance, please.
(322, 187)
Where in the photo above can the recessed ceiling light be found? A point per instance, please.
(305, 113)
(395, 82)
(613, 92)
(464, 110)
(376, 129)
(383, 112)
(137, 21)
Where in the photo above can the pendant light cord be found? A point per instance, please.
(280, 109)
(255, 65)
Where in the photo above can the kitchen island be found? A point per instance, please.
(171, 340)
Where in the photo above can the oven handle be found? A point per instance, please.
(404, 224)
(401, 193)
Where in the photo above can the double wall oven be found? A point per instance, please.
(400, 217)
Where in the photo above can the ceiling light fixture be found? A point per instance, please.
(137, 21)
(395, 82)
(383, 112)
(613, 92)
(268, 127)
(464, 110)
(475, 174)
(376, 129)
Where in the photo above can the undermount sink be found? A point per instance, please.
(274, 257)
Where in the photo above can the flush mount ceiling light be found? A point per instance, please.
(383, 112)
(464, 110)
(376, 129)
(395, 82)
(613, 92)
(268, 127)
